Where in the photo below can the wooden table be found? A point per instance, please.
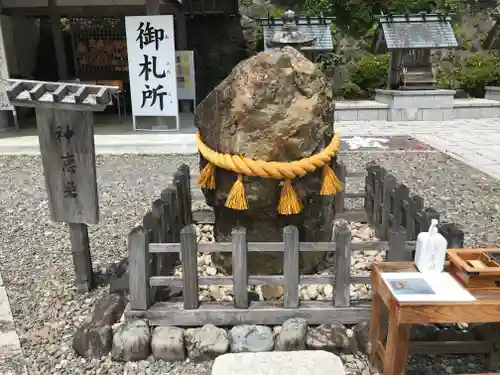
(391, 357)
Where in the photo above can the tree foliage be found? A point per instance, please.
(357, 16)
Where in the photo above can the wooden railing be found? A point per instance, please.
(191, 312)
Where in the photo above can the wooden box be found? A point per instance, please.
(474, 268)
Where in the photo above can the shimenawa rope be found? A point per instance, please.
(289, 202)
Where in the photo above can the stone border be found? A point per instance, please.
(11, 355)
(135, 340)
(110, 333)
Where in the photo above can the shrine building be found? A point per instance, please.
(85, 41)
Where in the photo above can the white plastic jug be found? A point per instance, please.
(431, 250)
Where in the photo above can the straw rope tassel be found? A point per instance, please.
(207, 177)
(236, 198)
(289, 203)
(330, 183)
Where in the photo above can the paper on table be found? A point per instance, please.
(426, 287)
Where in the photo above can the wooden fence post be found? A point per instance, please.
(416, 205)
(187, 199)
(341, 172)
(370, 190)
(82, 261)
(150, 224)
(139, 268)
(178, 182)
(397, 246)
(428, 215)
(171, 227)
(158, 216)
(453, 235)
(291, 258)
(377, 197)
(240, 270)
(189, 267)
(342, 266)
(182, 183)
(390, 184)
(400, 194)
(169, 197)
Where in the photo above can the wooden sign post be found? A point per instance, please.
(66, 136)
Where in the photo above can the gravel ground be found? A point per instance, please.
(36, 262)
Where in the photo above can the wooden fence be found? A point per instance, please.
(191, 312)
(168, 215)
(390, 206)
(167, 237)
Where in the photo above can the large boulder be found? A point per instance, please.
(274, 106)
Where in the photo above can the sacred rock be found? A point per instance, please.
(274, 106)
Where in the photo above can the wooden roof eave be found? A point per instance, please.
(66, 96)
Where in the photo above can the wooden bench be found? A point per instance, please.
(391, 357)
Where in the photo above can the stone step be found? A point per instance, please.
(303, 362)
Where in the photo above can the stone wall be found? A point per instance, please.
(218, 44)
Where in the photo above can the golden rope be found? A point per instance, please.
(289, 202)
(269, 169)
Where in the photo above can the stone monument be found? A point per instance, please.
(274, 107)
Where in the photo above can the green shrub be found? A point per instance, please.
(349, 91)
(472, 74)
(477, 71)
(370, 72)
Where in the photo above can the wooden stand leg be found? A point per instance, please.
(82, 260)
(396, 349)
(375, 331)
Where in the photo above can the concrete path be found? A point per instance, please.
(473, 142)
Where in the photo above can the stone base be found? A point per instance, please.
(417, 105)
(316, 362)
(492, 93)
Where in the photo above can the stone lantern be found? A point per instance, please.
(290, 35)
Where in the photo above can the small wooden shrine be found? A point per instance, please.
(410, 39)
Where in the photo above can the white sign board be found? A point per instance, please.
(151, 62)
(186, 88)
(4, 76)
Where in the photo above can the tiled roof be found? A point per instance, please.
(418, 31)
(315, 28)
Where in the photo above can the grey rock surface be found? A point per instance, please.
(206, 342)
(251, 338)
(93, 341)
(361, 334)
(292, 335)
(167, 343)
(109, 309)
(320, 338)
(314, 362)
(131, 342)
